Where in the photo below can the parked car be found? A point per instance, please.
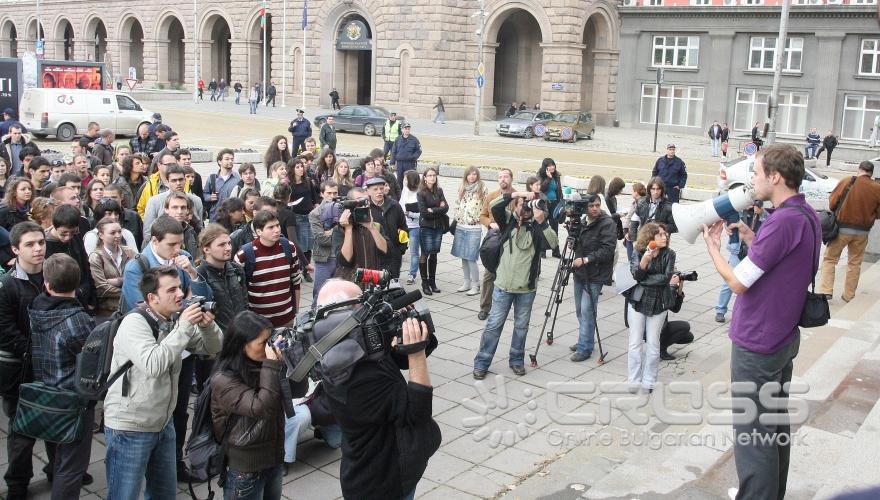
(739, 171)
(368, 120)
(66, 113)
(570, 126)
(522, 124)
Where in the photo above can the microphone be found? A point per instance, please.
(406, 299)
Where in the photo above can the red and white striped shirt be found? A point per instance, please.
(270, 293)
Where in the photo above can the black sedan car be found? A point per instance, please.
(368, 120)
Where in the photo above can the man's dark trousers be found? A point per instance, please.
(387, 148)
(19, 452)
(762, 465)
(181, 415)
(72, 460)
(402, 167)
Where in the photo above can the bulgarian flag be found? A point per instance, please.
(263, 9)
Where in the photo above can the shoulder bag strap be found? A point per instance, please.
(843, 197)
(812, 245)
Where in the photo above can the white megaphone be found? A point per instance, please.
(689, 219)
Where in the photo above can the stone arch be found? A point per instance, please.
(131, 35)
(515, 34)
(63, 36)
(257, 71)
(215, 40)
(95, 38)
(405, 53)
(8, 39)
(31, 29)
(353, 75)
(599, 64)
(170, 35)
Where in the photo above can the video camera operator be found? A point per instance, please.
(593, 267)
(363, 244)
(389, 434)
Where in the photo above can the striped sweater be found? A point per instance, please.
(270, 289)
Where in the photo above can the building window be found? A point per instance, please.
(863, 2)
(751, 107)
(870, 58)
(701, 2)
(762, 53)
(752, 2)
(679, 105)
(859, 112)
(655, 3)
(677, 51)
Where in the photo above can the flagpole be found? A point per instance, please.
(265, 46)
(284, 55)
(305, 25)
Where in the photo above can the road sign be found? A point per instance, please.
(131, 82)
(540, 130)
(40, 47)
(480, 81)
(481, 69)
(750, 149)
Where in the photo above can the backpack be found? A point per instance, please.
(92, 376)
(490, 250)
(206, 456)
(250, 256)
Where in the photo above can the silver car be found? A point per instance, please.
(522, 124)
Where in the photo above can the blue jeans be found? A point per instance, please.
(295, 425)
(131, 456)
(303, 232)
(253, 105)
(716, 146)
(238, 98)
(323, 272)
(726, 293)
(811, 150)
(262, 485)
(586, 299)
(522, 311)
(414, 251)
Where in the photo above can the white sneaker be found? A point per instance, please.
(410, 279)
(465, 287)
(475, 290)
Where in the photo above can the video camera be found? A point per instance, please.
(360, 211)
(204, 304)
(329, 341)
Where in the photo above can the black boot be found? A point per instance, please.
(432, 270)
(426, 280)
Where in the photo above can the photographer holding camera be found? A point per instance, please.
(138, 408)
(389, 434)
(593, 267)
(524, 230)
(328, 238)
(363, 244)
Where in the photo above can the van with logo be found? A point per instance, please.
(66, 113)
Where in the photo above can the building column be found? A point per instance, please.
(119, 53)
(240, 64)
(562, 64)
(719, 104)
(604, 91)
(629, 85)
(160, 49)
(823, 106)
(189, 57)
(150, 63)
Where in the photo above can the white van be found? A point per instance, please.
(66, 113)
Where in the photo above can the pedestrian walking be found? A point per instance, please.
(254, 98)
(334, 98)
(672, 170)
(221, 89)
(441, 111)
(756, 134)
(327, 136)
(201, 88)
(466, 243)
(213, 88)
(237, 89)
(725, 140)
(715, 138)
(829, 142)
(271, 91)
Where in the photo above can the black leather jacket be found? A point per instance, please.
(597, 242)
(662, 214)
(229, 289)
(652, 295)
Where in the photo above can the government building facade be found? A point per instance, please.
(402, 55)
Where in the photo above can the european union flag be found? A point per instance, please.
(305, 14)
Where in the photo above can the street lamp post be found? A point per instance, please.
(478, 102)
(657, 108)
(195, 50)
(773, 104)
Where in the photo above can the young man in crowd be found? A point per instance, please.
(144, 142)
(247, 233)
(66, 194)
(221, 184)
(140, 436)
(11, 147)
(38, 170)
(175, 176)
(179, 207)
(64, 237)
(156, 183)
(193, 178)
(172, 144)
(328, 238)
(59, 328)
(505, 186)
(272, 270)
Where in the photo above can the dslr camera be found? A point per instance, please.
(360, 211)
(204, 304)
(686, 276)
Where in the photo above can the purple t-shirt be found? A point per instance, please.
(765, 317)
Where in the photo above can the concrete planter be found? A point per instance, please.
(201, 155)
(248, 157)
(52, 155)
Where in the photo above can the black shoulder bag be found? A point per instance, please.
(828, 218)
(816, 311)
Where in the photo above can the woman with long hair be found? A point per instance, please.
(230, 214)
(638, 192)
(652, 266)
(597, 187)
(134, 175)
(122, 153)
(17, 202)
(107, 264)
(277, 175)
(324, 165)
(468, 231)
(278, 151)
(551, 186)
(246, 409)
(4, 176)
(342, 176)
(303, 197)
(94, 193)
(42, 210)
(432, 225)
(409, 202)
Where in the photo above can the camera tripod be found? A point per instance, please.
(557, 291)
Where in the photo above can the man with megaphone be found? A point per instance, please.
(771, 283)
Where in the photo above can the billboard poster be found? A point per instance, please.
(10, 83)
(64, 75)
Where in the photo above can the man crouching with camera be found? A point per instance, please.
(388, 432)
(524, 230)
(592, 266)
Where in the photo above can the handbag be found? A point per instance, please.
(452, 226)
(816, 311)
(49, 413)
(828, 218)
